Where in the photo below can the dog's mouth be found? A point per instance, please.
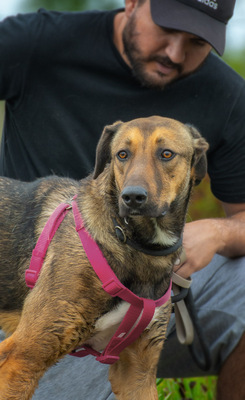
(125, 212)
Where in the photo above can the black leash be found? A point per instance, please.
(203, 362)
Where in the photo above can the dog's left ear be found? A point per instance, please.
(199, 161)
(103, 150)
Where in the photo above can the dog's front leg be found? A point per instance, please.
(43, 336)
(133, 377)
(18, 375)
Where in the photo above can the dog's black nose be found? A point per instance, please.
(134, 196)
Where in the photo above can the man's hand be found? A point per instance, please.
(200, 241)
(203, 238)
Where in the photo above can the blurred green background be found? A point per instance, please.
(203, 203)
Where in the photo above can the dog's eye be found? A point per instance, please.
(167, 155)
(122, 155)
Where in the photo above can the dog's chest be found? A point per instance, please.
(107, 325)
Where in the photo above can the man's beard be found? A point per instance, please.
(138, 63)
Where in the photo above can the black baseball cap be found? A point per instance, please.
(204, 18)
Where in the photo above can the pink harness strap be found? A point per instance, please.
(141, 310)
(39, 252)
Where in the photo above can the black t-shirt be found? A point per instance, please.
(63, 80)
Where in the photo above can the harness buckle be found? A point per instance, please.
(112, 287)
(31, 277)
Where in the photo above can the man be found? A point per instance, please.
(65, 76)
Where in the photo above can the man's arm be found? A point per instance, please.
(204, 238)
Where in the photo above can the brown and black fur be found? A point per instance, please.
(62, 310)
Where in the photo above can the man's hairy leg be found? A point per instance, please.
(231, 383)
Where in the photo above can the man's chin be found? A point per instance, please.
(154, 80)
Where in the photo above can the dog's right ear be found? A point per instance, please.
(199, 161)
(103, 150)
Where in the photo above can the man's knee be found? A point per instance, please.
(231, 383)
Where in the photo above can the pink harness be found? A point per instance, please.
(141, 310)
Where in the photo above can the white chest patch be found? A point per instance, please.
(162, 237)
(107, 325)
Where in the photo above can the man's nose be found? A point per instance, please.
(175, 49)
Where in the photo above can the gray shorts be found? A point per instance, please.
(219, 296)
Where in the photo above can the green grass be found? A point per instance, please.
(187, 388)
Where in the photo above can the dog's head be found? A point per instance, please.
(153, 161)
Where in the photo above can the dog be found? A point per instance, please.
(144, 173)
